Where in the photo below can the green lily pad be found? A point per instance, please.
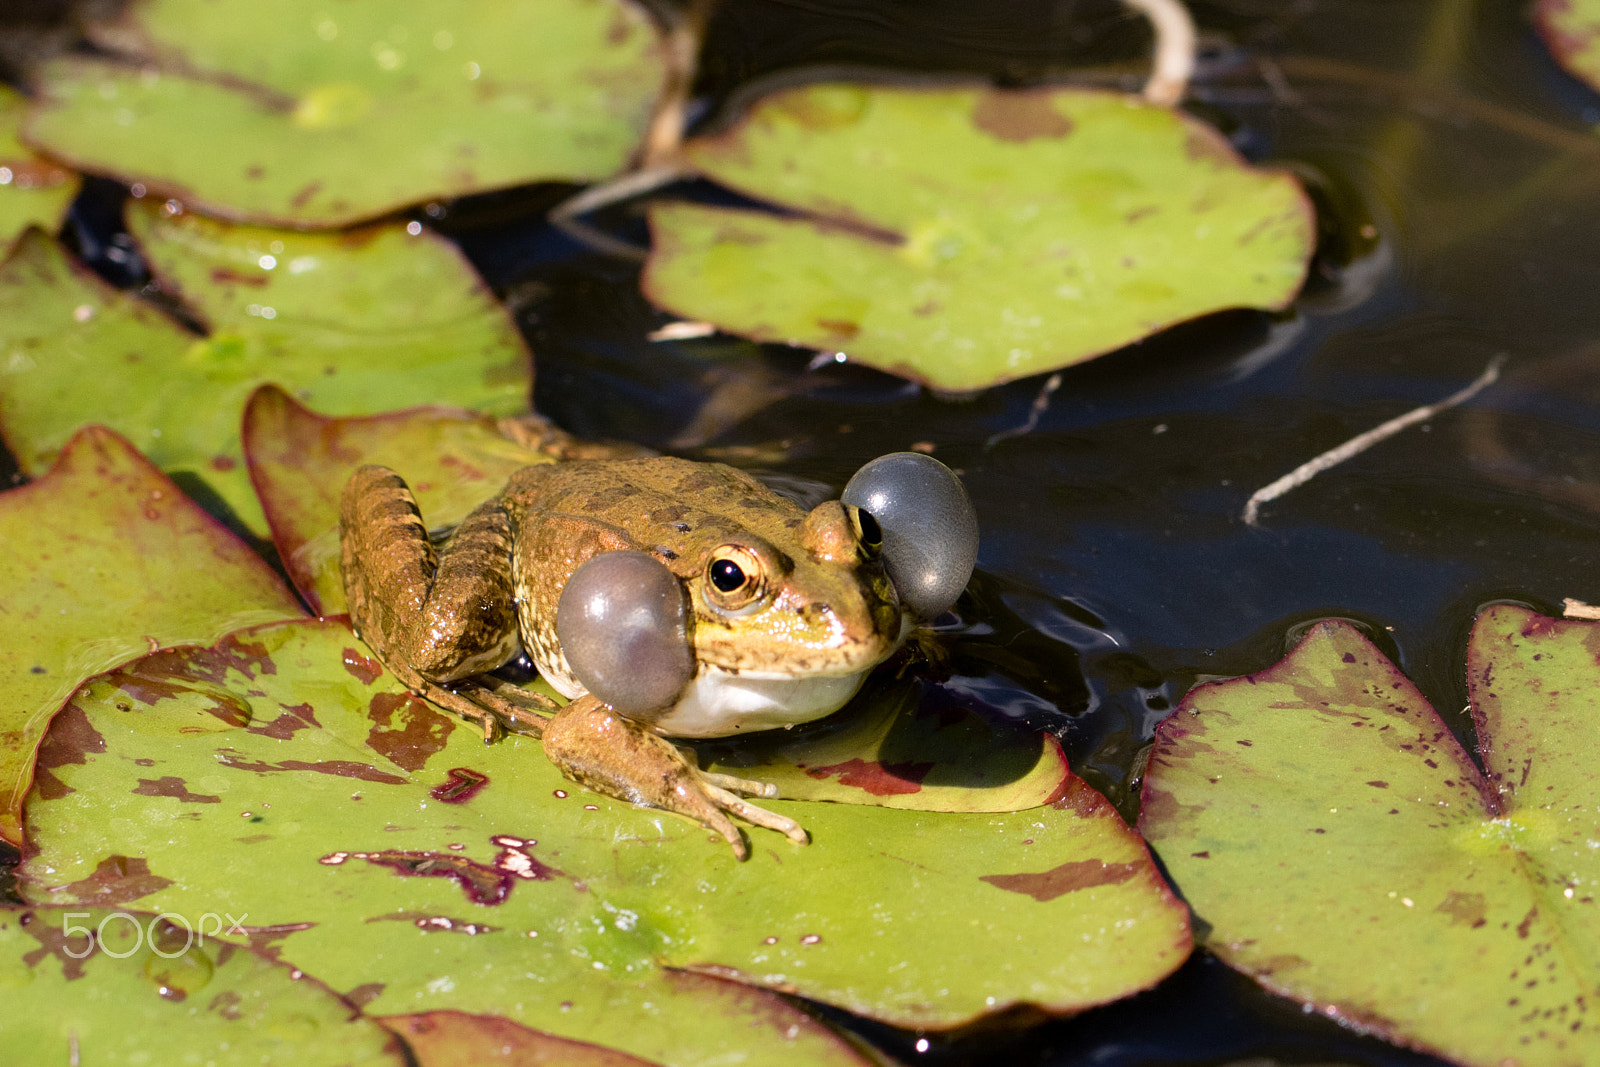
(92, 985)
(357, 322)
(381, 842)
(33, 190)
(299, 461)
(301, 114)
(1347, 852)
(1572, 30)
(453, 1038)
(106, 559)
(965, 237)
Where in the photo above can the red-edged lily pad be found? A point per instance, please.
(1572, 30)
(105, 560)
(384, 843)
(453, 460)
(1347, 852)
(454, 1038)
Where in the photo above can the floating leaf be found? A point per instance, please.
(301, 114)
(299, 460)
(884, 749)
(1347, 852)
(387, 844)
(965, 237)
(33, 191)
(1572, 30)
(140, 982)
(454, 1038)
(105, 559)
(361, 321)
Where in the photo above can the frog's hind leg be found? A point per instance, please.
(613, 755)
(432, 617)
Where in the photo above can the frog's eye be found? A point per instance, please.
(733, 578)
(868, 532)
(623, 627)
(927, 527)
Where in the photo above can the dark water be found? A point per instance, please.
(1457, 185)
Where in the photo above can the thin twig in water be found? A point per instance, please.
(1041, 404)
(1175, 48)
(1360, 443)
(659, 162)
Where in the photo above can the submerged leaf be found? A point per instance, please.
(1346, 851)
(453, 460)
(106, 559)
(362, 321)
(300, 114)
(33, 190)
(140, 982)
(965, 237)
(393, 847)
(1572, 30)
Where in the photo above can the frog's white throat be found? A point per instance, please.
(720, 703)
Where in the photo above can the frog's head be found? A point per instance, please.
(809, 598)
(769, 615)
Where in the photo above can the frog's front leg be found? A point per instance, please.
(611, 754)
(431, 617)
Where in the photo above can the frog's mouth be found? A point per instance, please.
(723, 703)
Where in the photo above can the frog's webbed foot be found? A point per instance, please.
(613, 755)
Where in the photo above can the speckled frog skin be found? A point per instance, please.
(791, 644)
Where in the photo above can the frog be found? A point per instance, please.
(785, 609)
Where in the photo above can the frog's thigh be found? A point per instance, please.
(446, 616)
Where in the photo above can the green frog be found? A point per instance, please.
(782, 612)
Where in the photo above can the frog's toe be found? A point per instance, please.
(745, 787)
(755, 816)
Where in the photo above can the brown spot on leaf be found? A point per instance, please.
(343, 768)
(1465, 909)
(53, 942)
(1527, 922)
(406, 730)
(425, 922)
(879, 779)
(841, 329)
(460, 786)
(300, 199)
(264, 939)
(116, 880)
(172, 787)
(482, 883)
(364, 668)
(226, 1004)
(1019, 117)
(365, 993)
(1069, 877)
(1378, 783)
(228, 276)
(69, 740)
(294, 717)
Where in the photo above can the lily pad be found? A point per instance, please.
(453, 460)
(300, 114)
(380, 841)
(106, 559)
(965, 237)
(362, 321)
(452, 1038)
(33, 190)
(1572, 30)
(1347, 852)
(93, 985)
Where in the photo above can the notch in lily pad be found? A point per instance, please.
(964, 237)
